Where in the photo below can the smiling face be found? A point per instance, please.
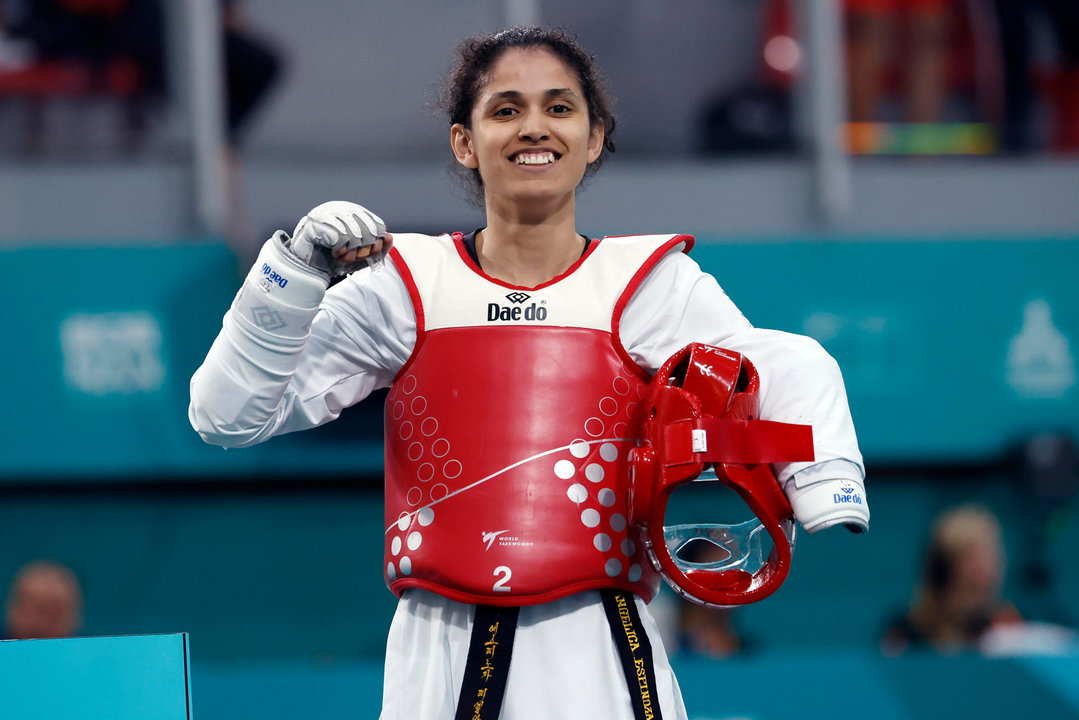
(529, 137)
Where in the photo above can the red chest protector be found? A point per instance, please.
(508, 431)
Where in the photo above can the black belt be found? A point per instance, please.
(488, 664)
(635, 651)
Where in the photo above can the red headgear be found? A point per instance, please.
(701, 409)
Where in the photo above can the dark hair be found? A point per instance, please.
(477, 55)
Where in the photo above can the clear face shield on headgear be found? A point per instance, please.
(700, 424)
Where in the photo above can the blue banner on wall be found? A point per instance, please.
(951, 349)
(98, 363)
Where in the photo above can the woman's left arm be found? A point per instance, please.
(678, 303)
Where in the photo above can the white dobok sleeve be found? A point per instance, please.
(256, 383)
(677, 303)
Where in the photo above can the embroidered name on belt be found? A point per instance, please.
(635, 652)
(488, 664)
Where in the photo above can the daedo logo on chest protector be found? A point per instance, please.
(517, 311)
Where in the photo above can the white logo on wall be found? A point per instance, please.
(1040, 361)
(866, 342)
(112, 353)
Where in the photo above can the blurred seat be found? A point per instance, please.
(75, 61)
(120, 78)
(972, 63)
(34, 87)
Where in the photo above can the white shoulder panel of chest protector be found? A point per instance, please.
(453, 294)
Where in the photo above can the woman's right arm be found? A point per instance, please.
(291, 355)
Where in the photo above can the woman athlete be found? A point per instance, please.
(516, 358)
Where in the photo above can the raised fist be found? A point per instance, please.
(339, 237)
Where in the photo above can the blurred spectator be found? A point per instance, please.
(44, 601)
(14, 53)
(1045, 491)
(959, 600)
(251, 69)
(874, 29)
(252, 66)
(707, 632)
(1015, 20)
(756, 117)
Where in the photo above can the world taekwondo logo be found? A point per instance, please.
(489, 537)
(518, 311)
(503, 540)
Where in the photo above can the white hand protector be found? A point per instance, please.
(828, 494)
(281, 294)
(337, 226)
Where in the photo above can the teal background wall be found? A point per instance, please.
(98, 388)
(951, 349)
(298, 575)
(150, 678)
(773, 686)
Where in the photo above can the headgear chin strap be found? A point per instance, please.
(701, 410)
